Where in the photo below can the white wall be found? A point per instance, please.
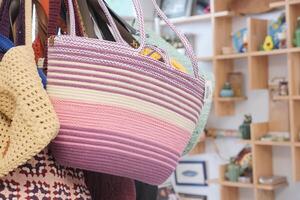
(257, 105)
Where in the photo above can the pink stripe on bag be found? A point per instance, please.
(112, 162)
(120, 120)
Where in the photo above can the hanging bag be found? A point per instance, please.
(156, 40)
(27, 119)
(41, 178)
(121, 113)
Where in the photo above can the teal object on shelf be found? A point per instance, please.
(245, 128)
(233, 171)
(227, 93)
(297, 34)
(156, 40)
(227, 90)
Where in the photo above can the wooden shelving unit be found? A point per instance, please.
(258, 72)
(262, 166)
(222, 20)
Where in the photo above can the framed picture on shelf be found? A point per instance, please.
(176, 8)
(236, 79)
(191, 173)
(201, 7)
(192, 197)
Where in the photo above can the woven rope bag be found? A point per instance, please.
(121, 113)
(27, 119)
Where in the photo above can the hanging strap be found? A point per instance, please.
(42, 22)
(4, 19)
(54, 12)
(114, 28)
(140, 19)
(28, 22)
(184, 40)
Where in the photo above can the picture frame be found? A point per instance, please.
(236, 79)
(200, 7)
(176, 8)
(191, 173)
(192, 197)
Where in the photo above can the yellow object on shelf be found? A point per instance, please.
(268, 44)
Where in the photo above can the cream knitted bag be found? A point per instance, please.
(27, 119)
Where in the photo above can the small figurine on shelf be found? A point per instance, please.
(233, 171)
(277, 30)
(268, 44)
(245, 128)
(240, 40)
(227, 90)
(296, 41)
(282, 40)
(283, 88)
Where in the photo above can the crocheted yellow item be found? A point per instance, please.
(27, 118)
(156, 56)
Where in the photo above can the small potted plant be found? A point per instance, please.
(245, 128)
(227, 90)
(233, 171)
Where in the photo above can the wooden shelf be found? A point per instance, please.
(297, 144)
(242, 141)
(231, 184)
(259, 53)
(205, 58)
(270, 53)
(224, 14)
(231, 99)
(236, 184)
(294, 50)
(271, 187)
(281, 98)
(278, 4)
(199, 18)
(296, 97)
(232, 56)
(292, 2)
(272, 143)
(191, 19)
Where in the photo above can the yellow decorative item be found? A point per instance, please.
(156, 56)
(28, 121)
(178, 66)
(268, 44)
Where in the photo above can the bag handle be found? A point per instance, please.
(28, 22)
(140, 19)
(189, 50)
(111, 21)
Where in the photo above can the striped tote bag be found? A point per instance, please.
(121, 113)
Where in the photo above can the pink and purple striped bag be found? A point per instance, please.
(120, 112)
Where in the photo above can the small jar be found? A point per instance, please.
(283, 88)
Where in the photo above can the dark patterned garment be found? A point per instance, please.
(43, 179)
